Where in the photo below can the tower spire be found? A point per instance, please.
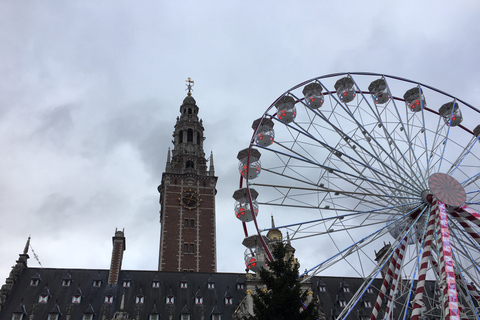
(212, 169)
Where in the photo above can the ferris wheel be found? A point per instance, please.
(372, 176)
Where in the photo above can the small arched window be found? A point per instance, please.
(198, 138)
(189, 164)
(189, 111)
(190, 135)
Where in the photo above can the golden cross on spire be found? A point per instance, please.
(190, 84)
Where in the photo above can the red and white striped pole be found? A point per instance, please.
(451, 308)
(427, 252)
(398, 266)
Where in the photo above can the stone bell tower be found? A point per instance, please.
(187, 198)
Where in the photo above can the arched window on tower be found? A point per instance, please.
(189, 110)
(189, 164)
(198, 138)
(180, 136)
(190, 135)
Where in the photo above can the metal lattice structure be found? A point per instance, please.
(355, 163)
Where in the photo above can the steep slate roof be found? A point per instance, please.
(26, 297)
(93, 298)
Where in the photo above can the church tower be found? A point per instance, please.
(187, 198)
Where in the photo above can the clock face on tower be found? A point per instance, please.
(190, 199)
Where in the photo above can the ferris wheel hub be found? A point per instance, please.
(447, 189)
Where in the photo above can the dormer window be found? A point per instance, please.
(198, 301)
(185, 316)
(139, 299)
(228, 301)
(211, 285)
(53, 316)
(342, 303)
(127, 283)
(108, 298)
(346, 289)
(154, 316)
(66, 282)
(155, 284)
(240, 286)
(184, 284)
(97, 283)
(34, 282)
(43, 298)
(367, 304)
(17, 316)
(216, 317)
(76, 299)
(170, 300)
(369, 290)
(322, 288)
(87, 316)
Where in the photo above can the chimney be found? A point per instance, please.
(119, 245)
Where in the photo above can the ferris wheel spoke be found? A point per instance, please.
(344, 158)
(466, 151)
(346, 177)
(374, 144)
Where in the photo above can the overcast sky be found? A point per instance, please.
(90, 90)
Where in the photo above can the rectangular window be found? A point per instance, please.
(185, 248)
(192, 248)
(17, 316)
(192, 223)
(153, 316)
(186, 223)
(87, 316)
(76, 299)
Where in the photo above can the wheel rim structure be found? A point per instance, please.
(370, 167)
